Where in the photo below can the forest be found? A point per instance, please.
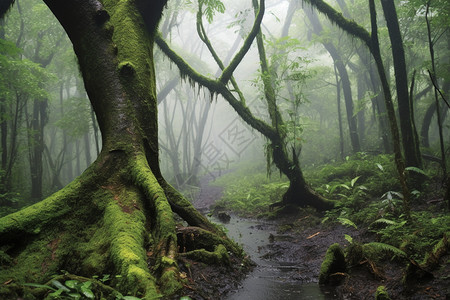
(212, 149)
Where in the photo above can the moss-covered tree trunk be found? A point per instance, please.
(117, 218)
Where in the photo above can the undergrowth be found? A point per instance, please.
(365, 188)
(249, 192)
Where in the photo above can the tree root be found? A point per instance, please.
(110, 222)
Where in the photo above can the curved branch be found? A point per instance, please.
(216, 87)
(228, 72)
(202, 34)
(337, 18)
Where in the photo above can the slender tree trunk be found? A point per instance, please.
(361, 116)
(338, 98)
(38, 121)
(412, 156)
(345, 80)
(436, 98)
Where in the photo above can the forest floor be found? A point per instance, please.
(301, 240)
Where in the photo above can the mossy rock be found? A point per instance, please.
(333, 266)
(381, 293)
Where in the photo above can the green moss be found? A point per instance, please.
(381, 293)
(170, 281)
(127, 234)
(218, 257)
(334, 262)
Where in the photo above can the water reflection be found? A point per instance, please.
(270, 279)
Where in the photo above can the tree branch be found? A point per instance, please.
(228, 72)
(337, 18)
(216, 87)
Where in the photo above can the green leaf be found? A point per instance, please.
(353, 181)
(380, 167)
(324, 220)
(384, 221)
(386, 248)
(60, 286)
(131, 298)
(72, 283)
(87, 292)
(346, 222)
(57, 293)
(87, 284)
(74, 295)
(417, 170)
(348, 238)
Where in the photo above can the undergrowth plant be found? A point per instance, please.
(249, 192)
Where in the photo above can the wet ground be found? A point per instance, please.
(281, 271)
(288, 263)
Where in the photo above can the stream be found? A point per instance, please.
(280, 273)
(272, 278)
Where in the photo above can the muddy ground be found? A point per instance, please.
(301, 241)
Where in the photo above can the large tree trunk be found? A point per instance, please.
(118, 217)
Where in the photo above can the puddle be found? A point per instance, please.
(273, 277)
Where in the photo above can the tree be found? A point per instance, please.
(409, 133)
(120, 210)
(285, 159)
(345, 80)
(372, 42)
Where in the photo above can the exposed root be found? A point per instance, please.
(191, 238)
(114, 224)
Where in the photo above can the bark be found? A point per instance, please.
(118, 217)
(412, 152)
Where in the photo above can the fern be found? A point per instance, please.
(382, 247)
(348, 238)
(346, 222)
(417, 170)
(383, 221)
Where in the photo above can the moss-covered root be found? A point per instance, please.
(163, 225)
(333, 266)
(419, 272)
(218, 257)
(191, 238)
(431, 260)
(127, 253)
(31, 220)
(381, 293)
(186, 210)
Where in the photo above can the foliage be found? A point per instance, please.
(211, 7)
(371, 174)
(414, 238)
(79, 289)
(249, 192)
